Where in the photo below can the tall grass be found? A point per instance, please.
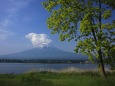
(45, 78)
(67, 70)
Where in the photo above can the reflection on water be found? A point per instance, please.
(18, 68)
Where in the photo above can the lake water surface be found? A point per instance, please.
(18, 68)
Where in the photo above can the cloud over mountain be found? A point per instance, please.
(39, 40)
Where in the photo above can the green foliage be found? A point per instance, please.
(63, 20)
(81, 20)
(110, 3)
(107, 14)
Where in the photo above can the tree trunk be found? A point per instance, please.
(101, 65)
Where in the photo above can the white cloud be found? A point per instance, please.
(39, 40)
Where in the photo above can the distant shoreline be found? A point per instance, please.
(44, 61)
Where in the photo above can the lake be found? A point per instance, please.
(19, 68)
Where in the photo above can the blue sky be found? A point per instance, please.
(18, 18)
(23, 26)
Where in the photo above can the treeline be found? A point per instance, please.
(40, 61)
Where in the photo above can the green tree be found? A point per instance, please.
(86, 22)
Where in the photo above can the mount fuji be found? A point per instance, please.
(46, 53)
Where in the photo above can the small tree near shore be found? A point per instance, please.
(89, 23)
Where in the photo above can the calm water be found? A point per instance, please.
(18, 68)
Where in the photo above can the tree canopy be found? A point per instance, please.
(89, 23)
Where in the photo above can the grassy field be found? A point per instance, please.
(57, 79)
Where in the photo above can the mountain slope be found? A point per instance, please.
(44, 53)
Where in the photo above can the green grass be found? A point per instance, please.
(57, 79)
